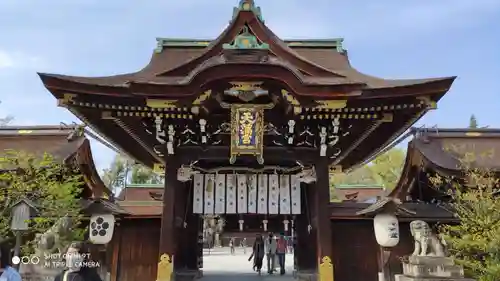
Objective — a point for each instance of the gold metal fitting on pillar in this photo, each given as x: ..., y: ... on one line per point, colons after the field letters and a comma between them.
x: 165, y: 268
x: 325, y: 270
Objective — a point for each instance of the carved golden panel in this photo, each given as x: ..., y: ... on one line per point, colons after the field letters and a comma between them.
x: 247, y: 131
x: 159, y: 168
x: 157, y: 103
x: 331, y: 104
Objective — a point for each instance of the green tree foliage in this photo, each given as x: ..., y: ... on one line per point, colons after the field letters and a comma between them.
x: 54, y: 189
x: 384, y: 170
x: 123, y: 170
x: 387, y: 167
x: 475, y: 241
x: 473, y: 122
x: 144, y: 175
x: 116, y: 175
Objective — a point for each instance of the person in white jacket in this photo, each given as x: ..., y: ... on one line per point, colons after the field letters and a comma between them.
x: 270, y: 249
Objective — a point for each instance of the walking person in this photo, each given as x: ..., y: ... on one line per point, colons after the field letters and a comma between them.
x: 257, y: 253
x: 270, y: 248
x: 243, y: 244
x: 231, y: 246
x: 281, y: 247
x: 7, y: 272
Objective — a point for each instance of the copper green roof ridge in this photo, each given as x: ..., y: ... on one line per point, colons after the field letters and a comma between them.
x: 335, y: 43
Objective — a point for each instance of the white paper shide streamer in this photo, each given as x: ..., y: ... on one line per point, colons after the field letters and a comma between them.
x: 285, y: 194
x: 262, y: 194
x: 209, y: 193
x: 242, y: 194
x: 231, y: 194
x: 246, y: 194
x: 295, y: 195
x: 252, y: 193
x: 198, y: 194
x: 220, y: 193
x: 273, y: 194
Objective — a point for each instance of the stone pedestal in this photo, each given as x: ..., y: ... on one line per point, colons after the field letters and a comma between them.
x: 429, y: 268
x: 305, y: 275
x: 188, y: 275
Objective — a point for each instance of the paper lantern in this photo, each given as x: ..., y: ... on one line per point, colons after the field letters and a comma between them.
x: 386, y: 227
x: 101, y: 228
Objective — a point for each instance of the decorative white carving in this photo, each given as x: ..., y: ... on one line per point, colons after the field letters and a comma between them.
x: 291, y: 128
x: 155, y: 149
x: 307, y: 176
x: 336, y: 125
x: 334, y: 138
x: 322, y: 137
x: 203, y: 129
x: 306, y: 134
x: 203, y: 122
x: 160, y: 133
x: 170, y: 143
x: 184, y: 174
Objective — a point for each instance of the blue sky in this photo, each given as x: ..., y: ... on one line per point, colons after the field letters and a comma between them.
x: 385, y: 38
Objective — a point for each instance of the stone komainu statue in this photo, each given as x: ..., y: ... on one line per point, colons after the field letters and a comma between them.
x: 52, y: 241
x: 426, y: 242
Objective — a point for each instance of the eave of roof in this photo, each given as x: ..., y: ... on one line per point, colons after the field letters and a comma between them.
x: 42, y: 130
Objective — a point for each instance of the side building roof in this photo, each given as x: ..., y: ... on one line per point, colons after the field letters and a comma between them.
x: 64, y: 143
x: 444, y: 151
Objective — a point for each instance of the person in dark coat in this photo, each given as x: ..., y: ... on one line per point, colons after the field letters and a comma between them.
x: 78, y: 265
x: 257, y: 253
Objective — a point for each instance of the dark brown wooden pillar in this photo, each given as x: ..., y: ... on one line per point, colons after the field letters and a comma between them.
x: 187, y: 230
x: 168, y: 229
x: 322, y: 214
x: 306, y: 239
x: 115, y: 255
x: 182, y: 244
